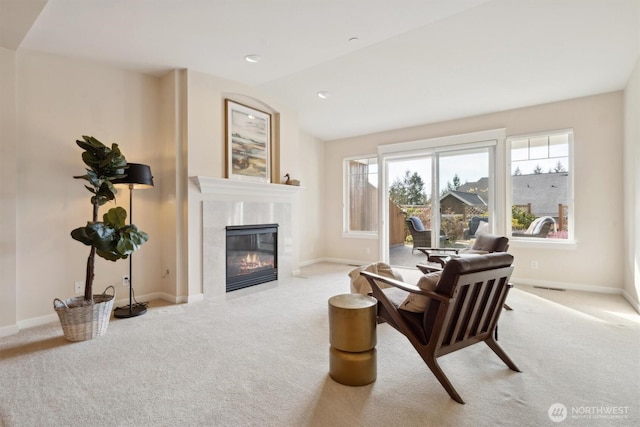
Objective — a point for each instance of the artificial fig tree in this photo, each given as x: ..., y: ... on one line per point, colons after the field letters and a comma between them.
x: 111, y: 238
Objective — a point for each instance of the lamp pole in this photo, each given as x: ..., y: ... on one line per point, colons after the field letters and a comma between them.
x: 138, y: 176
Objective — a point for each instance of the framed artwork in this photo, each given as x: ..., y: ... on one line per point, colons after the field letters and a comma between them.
x: 248, y: 135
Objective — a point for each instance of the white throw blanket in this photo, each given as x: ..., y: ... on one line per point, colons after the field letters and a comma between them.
x: 360, y: 285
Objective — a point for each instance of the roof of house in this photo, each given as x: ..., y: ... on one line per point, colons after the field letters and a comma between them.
x: 545, y: 191
x: 470, y: 199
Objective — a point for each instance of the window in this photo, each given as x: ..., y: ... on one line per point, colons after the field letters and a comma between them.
x: 541, y: 186
x: 361, y: 196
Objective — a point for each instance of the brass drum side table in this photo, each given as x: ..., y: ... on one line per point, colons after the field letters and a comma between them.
x: 352, y: 327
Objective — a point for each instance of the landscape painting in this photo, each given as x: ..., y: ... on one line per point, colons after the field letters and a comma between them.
x: 248, y: 135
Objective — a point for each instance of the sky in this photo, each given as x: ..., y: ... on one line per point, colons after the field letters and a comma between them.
x: 469, y: 167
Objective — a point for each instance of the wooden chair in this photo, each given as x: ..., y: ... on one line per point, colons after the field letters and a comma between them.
x: 463, y: 309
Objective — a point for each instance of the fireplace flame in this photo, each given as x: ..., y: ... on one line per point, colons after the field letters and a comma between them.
x: 252, y: 261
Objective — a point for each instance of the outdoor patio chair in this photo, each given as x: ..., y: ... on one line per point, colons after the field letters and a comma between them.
x: 540, y: 227
x: 470, y: 232
x: 421, y: 236
x: 462, y: 309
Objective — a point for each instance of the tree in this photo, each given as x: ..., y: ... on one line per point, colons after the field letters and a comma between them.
x: 517, y: 172
x: 452, y: 187
x: 559, y: 168
x: 409, y: 190
x: 537, y: 170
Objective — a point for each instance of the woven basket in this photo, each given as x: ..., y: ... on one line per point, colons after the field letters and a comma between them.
x: 84, y: 321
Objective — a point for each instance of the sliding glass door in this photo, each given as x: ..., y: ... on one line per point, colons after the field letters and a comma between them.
x: 464, y: 195
x: 445, y: 189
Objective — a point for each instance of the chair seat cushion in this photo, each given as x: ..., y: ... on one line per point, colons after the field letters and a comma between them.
x: 417, y: 303
x: 414, y: 320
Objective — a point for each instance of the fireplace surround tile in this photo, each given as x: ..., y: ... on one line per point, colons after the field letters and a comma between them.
x: 251, y: 204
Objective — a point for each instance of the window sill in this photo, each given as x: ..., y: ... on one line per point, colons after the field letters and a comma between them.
x: 532, y: 242
x: 360, y: 235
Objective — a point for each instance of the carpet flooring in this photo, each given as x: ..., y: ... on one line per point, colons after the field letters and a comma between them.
x: 259, y: 357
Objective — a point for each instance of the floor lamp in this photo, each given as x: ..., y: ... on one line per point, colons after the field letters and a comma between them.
x: 138, y: 177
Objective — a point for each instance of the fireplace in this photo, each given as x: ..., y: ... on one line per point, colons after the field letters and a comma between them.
x: 252, y: 255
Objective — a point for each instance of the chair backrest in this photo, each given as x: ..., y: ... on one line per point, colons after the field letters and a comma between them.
x: 475, y: 222
x: 415, y: 223
x: 541, y: 226
x: 479, y: 285
x: 490, y: 243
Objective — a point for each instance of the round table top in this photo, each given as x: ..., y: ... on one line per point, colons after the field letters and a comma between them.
x: 352, y: 301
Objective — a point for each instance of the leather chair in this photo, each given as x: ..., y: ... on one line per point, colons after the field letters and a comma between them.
x: 463, y: 309
x: 483, y: 244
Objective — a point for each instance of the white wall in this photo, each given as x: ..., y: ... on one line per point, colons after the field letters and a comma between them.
x: 632, y: 188
x: 206, y: 151
x: 59, y: 100
x: 7, y: 194
x: 597, y: 261
x: 312, y: 198
x: 174, y: 123
x: 170, y: 212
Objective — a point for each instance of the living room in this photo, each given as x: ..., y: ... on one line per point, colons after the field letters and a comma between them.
x: 175, y: 123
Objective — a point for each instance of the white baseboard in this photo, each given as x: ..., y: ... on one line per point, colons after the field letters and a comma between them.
x: 5, y: 331
x: 565, y: 285
x: 37, y: 321
x: 632, y: 302
x: 172, y: 299
x: 53, y: 317
x: 192, y: 298
x: 335, y: 261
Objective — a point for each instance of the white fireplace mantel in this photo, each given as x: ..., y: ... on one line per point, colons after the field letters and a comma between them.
x: 245, y: 189
x: 226, y: 202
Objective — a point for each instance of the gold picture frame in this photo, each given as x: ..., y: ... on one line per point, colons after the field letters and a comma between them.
x: 248, y: 143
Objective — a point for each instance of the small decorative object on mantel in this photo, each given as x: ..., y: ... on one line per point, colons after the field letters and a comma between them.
x: 290, y: 181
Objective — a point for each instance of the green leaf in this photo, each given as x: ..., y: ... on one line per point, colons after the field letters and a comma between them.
x: 80, y: 234
x: 116, y: 217
x: 109, y: 255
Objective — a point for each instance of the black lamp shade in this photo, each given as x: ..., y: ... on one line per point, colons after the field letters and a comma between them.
x: 138, y: 176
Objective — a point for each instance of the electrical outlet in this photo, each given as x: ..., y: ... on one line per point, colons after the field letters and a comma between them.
x: 534, y: 264
x: 125, y: 280
x: 78, y: 287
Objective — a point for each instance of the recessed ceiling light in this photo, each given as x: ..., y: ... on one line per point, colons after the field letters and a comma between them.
x: 323, y: 94
x: 253, y: 58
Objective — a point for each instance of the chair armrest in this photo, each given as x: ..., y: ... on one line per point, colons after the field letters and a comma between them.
x: 426, y: 269
x: 427, y: 250
x: 408, y: 287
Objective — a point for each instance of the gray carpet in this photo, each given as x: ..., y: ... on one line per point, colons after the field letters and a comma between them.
x: 260, y: 358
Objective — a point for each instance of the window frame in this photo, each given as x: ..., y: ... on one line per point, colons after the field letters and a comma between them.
x: 540, y: 242
x: 494, y: 139
x: 346, y: 205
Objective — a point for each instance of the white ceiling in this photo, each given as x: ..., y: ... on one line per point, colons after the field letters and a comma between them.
x: 415, y: 61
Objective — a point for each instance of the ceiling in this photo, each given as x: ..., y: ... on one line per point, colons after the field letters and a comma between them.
x: 414, y: 61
